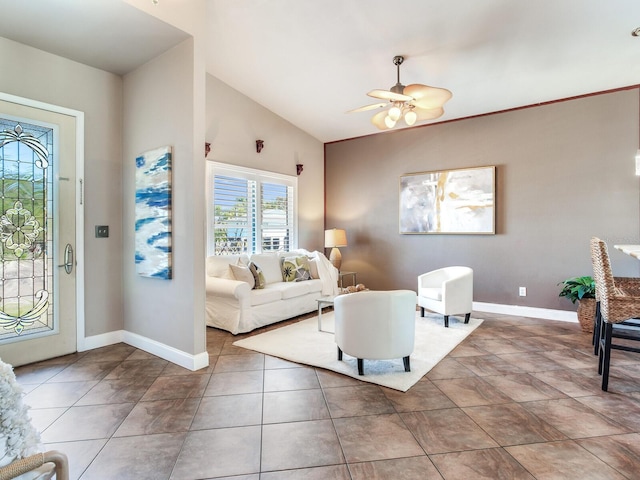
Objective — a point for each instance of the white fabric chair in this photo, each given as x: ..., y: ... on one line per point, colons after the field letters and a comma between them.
x: 376, y: 325
x: 448, y: 291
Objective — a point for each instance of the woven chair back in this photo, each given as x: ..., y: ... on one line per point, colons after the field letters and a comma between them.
x: 605, y: 285
x: 615, y: 306
x: 595, y: 262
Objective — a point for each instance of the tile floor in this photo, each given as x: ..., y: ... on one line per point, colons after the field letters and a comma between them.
x: 520, y: 398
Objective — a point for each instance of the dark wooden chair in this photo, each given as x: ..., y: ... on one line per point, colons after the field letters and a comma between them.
x: 617, y: 309
x: 628, y: 285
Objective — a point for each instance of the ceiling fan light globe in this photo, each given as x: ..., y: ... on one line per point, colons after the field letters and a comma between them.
x: 410, y: 117
x: 379, y: 120
x: 389, y: 122
x: 394, y: 113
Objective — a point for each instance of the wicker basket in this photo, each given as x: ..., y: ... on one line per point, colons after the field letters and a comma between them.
x: 586, y: 313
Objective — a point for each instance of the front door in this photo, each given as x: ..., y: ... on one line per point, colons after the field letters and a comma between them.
x: 38, y: 318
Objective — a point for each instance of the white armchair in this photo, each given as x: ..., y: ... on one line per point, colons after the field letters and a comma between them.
x: 448, y: 291
x: 376, y: 325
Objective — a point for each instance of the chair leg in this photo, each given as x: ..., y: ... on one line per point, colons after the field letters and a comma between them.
x: 407, y: 365
x: 446, y: 321
x: 597, y: 322
x: 605, y: 354
x: 360, y: 367
x: 601, y: 332
x: 422, y: 311
x: 339, y: 354
x: 467, y: 316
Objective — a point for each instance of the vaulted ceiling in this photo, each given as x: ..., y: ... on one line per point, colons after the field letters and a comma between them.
x: 311, y: 61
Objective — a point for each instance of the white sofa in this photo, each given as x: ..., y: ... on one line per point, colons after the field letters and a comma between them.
x: 235, y: 306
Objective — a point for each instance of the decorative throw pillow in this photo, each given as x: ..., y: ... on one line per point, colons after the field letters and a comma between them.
x: 313, y: 268
x: 243, y: 274
x: 295, y: 269
x: 258, y: 276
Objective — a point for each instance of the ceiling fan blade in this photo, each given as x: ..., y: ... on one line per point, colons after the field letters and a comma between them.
x: 388, y: 95
x: 427, y: 97
x: 428, y: 113
x: 378, y: 120
x: 369, y: 107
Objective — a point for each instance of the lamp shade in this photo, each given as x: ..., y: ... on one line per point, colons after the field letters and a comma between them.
x: 335, y: 237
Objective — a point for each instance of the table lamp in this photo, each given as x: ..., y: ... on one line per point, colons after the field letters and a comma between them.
x: 333, y: 239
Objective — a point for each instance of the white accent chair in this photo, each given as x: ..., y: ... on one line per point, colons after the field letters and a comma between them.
x: 448, y: 291
x: 376, y: 325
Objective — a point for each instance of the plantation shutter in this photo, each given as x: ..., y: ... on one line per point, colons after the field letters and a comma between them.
x: 250, y: 210
x: 276, y: 207
x: 234, y: 217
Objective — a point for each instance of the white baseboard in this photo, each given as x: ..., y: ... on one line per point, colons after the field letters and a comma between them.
x: 201, y: 360
x: 534, y: 312
x: 103, y: 340
x: 173, y: 355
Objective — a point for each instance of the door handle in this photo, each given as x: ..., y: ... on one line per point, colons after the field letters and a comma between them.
x: 68, y: 259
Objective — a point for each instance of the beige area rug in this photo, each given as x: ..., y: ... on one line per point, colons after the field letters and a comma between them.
x: 302, y: 343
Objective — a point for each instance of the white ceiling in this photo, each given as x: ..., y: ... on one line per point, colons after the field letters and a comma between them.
x: 106, y: 34
x: 310, y: 61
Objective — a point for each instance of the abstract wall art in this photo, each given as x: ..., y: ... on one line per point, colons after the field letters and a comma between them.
x: 153, y: 213
x: 448, y: 201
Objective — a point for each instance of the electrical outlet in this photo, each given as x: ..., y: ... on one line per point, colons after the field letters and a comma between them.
x: 102, y: 231
x: 522, y: 291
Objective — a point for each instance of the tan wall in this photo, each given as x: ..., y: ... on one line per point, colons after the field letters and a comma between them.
x: 565, y: 172
x: 34, y: 74
x: 160, y: 108
x: 235, y: 122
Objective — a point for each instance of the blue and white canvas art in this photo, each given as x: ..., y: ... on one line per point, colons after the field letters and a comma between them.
x: 153, y: 213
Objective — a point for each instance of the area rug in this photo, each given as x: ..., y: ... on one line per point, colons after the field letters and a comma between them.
x: 302, y: 343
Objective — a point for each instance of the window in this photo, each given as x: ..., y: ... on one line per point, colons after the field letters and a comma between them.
x: 250, y: 210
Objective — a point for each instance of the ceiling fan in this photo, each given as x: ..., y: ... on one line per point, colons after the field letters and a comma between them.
x: 412, y: 103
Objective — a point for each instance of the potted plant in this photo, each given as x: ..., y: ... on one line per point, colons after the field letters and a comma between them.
x: 583, y: 291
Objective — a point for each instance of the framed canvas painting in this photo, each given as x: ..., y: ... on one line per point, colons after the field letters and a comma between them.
x: 153, y: 213
x: 448, y: 201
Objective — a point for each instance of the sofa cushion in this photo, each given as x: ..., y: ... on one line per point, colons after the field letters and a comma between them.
x: 291, y: 289
x: 295, y: 269
x: 433, y: 293
x: 314, y: 285
x: 269, y: 263
x: 265, y: 295
x: 218, y: 265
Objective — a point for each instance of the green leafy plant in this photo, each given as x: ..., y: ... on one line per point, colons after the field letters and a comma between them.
x: 577, y: 288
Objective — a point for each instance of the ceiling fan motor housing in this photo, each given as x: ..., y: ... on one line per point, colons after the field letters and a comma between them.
x: 397, y: 88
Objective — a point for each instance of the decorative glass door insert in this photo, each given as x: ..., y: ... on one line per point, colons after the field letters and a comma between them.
x: 26, y: 230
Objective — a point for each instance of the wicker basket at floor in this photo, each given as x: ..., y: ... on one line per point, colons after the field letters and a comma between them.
x: 586, y: 313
